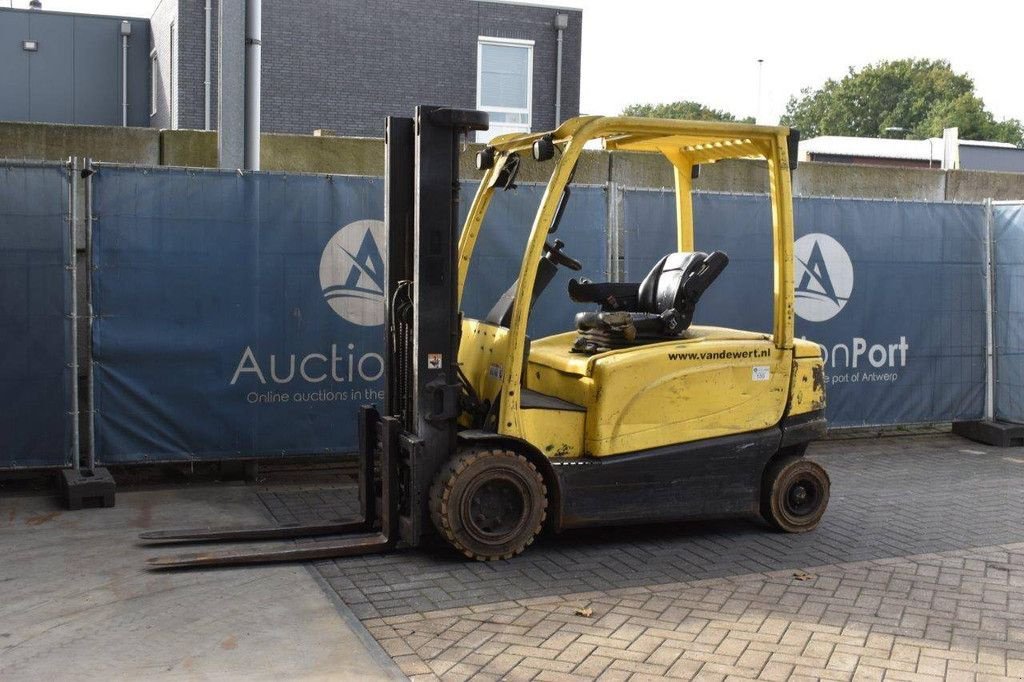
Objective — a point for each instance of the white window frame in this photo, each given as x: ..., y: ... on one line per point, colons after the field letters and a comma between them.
x: 493, y: 40
x: 154, y: 78
x: 172, y: 89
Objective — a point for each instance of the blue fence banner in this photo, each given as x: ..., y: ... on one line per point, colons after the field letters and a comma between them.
x: 236, y: 315
x: 242, y: 316
x: 894, y: 291
x: 35, y: 327
x: 1008, y: 323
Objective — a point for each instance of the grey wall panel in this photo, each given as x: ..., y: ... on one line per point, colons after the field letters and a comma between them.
x: 138, y: 74
x: 75, y: 76
x: 97, y: 46
x: 51, y: 98
x: 14, y: 66
x: 98, y: 87
x: 1005, y: 159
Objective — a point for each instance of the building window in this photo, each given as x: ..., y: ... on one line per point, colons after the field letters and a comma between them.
x: 154, y: 73
x: 504, y: 84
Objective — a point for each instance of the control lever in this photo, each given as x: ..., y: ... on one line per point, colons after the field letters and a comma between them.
x: 555, y: 255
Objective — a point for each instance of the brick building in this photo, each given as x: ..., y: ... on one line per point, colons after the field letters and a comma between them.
x: 343, y: 65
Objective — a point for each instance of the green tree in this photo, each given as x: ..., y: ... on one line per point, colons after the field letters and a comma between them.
x: 968, y: 113
x: 685, y: 109
x: 920, y: 96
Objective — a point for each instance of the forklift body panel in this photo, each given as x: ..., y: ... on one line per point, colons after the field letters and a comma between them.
x: 715, y: 382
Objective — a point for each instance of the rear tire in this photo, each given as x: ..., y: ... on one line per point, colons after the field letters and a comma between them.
x: 488, y: 504
x: 794, y: 494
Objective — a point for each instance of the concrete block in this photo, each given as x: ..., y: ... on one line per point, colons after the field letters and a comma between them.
x: 733, y: 175
x: 991, y: 432
x: 57, y: 142
x: 308, y: 154
x: 188, y: 148
x: 633, y: 169
x: 980, y: 185
x: 365, y: 156
x: 871, y: 182
x: 81, y: 485
x: 636, y: 169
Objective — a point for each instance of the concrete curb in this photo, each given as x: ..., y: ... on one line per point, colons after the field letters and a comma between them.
x: 387, y: 664
x: 373, y: 648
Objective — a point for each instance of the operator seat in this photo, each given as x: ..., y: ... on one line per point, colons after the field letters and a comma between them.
x: 658, y: 308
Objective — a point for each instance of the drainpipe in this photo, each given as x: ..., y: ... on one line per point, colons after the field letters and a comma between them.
x: 206, y: 79
x: 253, y: 55
x: 126, y: 30
x: 561, y: 23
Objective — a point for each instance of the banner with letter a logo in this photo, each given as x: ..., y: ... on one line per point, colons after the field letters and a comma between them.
x: 237, y: 315
x: 823, y: 283
x: 894, y: 291
x: 352, y: 272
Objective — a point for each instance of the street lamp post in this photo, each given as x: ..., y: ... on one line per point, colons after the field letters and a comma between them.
x: 760, y: 73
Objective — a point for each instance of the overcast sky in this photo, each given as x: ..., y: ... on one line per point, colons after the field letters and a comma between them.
x: 665, y: 50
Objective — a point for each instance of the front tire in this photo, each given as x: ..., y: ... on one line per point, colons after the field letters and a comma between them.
x: 794, y: 494
x: 488, y: 503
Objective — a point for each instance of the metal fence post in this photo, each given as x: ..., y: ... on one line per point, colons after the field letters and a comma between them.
x: 72, y: 267
x: 88, y: 172
x: 614, y: 237
x: 990, y: 292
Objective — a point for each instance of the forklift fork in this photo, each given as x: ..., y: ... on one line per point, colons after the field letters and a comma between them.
x: 366, y: 534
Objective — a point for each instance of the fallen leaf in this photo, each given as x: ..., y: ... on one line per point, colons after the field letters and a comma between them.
x: 801, y: 576
x: 584, y: 611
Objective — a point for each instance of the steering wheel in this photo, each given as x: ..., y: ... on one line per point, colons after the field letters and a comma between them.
x: 555, y: 255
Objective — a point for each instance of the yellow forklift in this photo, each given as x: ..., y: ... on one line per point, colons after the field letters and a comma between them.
x: 487, y: 436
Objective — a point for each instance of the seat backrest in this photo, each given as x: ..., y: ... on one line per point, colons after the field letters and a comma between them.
x: 677, y: 281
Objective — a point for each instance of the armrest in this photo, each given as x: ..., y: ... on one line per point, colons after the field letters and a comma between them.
x: 609, y: 295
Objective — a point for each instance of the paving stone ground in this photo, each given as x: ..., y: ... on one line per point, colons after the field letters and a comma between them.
x: 916, y: 572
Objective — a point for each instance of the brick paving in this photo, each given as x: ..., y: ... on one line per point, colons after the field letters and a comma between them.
x: 954, y: 614
x: 916, y: 572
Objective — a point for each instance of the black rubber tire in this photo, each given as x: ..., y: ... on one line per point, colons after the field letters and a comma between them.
x: 794, y: 494
x: 488, y: 503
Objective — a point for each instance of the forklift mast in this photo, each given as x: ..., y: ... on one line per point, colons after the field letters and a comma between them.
x: 421, y: 215
x: 401, y: 451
